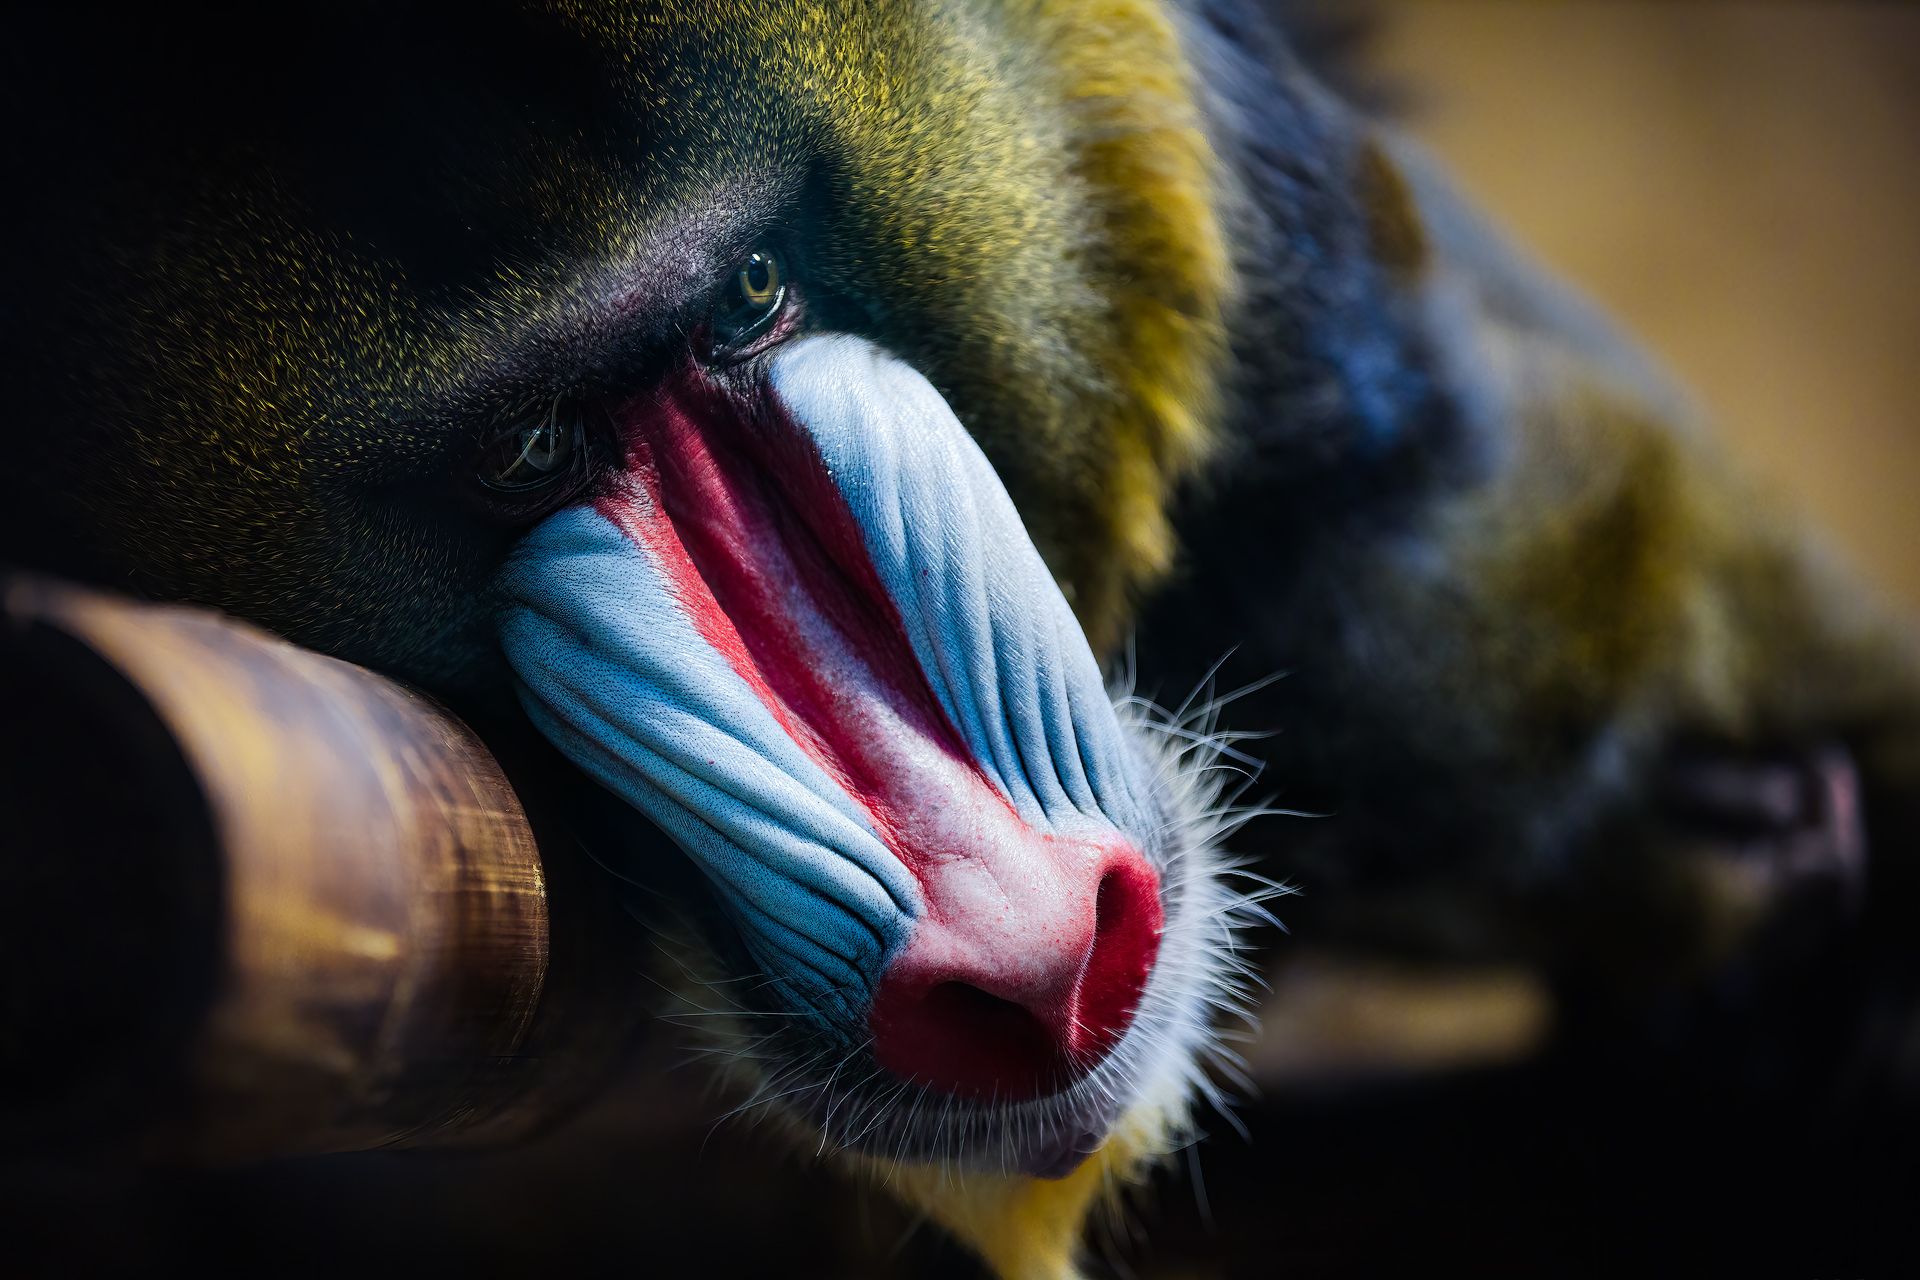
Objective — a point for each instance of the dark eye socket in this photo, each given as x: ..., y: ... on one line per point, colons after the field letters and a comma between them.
x: 750, y: 305
x: 542, y: 457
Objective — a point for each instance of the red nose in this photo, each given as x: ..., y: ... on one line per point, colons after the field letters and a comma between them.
x: 1022, y: 974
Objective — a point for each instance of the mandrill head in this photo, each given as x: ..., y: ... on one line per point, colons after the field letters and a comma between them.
x: 770, y: 400
x: 799, y: 627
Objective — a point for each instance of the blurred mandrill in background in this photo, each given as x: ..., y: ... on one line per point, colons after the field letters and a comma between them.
x: 786, y: 409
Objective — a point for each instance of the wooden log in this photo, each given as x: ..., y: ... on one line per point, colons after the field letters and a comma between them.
x: 261, y: 902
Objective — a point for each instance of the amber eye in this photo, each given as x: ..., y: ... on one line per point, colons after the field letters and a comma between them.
x: 751, y: 302
x: 542, y: 453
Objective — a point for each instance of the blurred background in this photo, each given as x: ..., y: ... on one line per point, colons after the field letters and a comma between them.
x: 1739, y: 184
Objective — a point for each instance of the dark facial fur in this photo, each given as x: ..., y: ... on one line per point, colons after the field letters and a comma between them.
x: 282, y: 285
x: 274, y: 288
x: 1569, y: 691
x: 311, y: 264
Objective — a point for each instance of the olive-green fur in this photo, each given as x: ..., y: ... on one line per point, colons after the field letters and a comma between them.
x: 1200, y: 314
x: 1012, y: 196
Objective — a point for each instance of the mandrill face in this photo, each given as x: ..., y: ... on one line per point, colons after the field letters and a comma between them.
x: 801, y: 629
x: 771, y: 399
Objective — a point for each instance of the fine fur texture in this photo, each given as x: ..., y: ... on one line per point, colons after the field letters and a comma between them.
x: 1557, y: 673
x: 289, y: 279
x: 1256, y: 382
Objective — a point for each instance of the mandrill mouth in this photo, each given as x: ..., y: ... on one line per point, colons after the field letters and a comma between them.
x: 804, y: 632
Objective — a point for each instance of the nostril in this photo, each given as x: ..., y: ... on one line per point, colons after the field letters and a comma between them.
x: 1016, y: 1005
x: 956, y: 1037
x: 1110, y: 907
x: 1126, y: 939
x: 982, y: 1026
x: 968, y: 1008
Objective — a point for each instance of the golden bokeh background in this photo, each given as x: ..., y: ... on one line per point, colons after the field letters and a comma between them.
x: 1738, y: 184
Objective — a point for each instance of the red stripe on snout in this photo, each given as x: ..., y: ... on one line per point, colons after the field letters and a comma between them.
x: 1033, y: 947
x: 738, y: 509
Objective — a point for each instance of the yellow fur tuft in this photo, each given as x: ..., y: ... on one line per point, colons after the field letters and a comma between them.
x: 1148, y: 163
x: 1029, y: 1228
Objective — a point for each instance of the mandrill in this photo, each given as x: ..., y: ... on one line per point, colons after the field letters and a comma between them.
x: 786, y: 410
